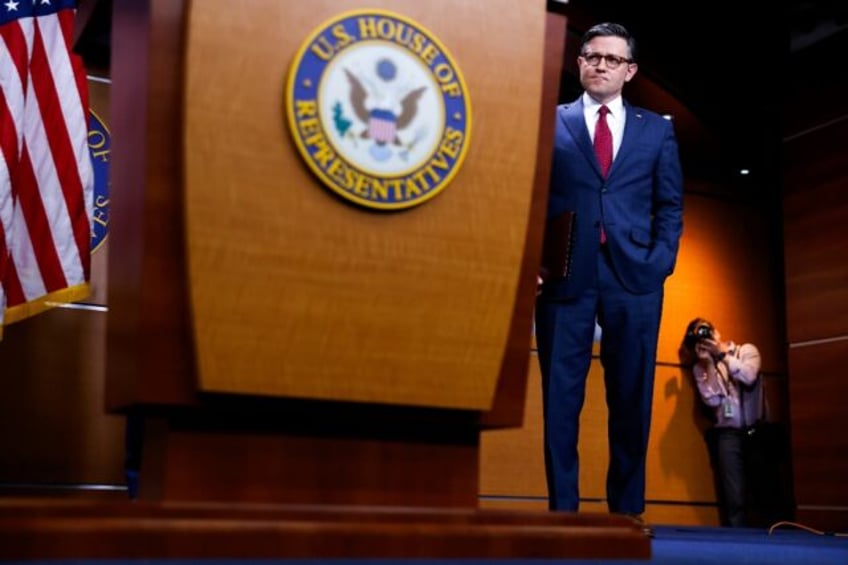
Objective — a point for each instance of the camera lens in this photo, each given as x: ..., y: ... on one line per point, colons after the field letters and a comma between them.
x: 704, y: 332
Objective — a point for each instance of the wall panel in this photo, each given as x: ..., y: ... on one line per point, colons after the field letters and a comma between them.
x: 727, y: 271
x: 816, y: 237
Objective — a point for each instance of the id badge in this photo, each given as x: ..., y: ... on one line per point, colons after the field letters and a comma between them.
x: 727, y: 407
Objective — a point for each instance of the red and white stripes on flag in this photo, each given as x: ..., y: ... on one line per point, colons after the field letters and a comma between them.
x: 46, y: 177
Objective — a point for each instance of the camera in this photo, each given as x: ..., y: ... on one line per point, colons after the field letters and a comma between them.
x: 703, y: 332
x: 698, y: 331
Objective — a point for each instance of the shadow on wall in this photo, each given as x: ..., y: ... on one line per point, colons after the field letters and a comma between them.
x: 686, y: 422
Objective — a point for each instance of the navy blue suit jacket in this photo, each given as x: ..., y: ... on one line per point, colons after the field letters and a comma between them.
x: 640, y: 202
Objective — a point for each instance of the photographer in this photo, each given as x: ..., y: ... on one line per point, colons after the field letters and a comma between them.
x: 727, y: 377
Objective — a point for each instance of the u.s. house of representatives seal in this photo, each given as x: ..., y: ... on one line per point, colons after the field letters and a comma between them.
x: 378, y: 109
x: 100, y: 149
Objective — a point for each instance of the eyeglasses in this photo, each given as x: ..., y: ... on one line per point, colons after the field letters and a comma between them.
x: 613, y: 61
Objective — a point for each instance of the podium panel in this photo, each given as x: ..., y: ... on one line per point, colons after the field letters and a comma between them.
x: 298, y: 293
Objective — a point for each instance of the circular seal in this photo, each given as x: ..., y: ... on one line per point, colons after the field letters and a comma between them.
x: 100, y: 149
x: 378, y: 109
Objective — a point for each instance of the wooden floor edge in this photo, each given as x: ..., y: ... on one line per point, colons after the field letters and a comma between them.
x: 121, y: 531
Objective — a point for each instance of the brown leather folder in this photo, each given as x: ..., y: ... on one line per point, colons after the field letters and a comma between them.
x: 556, y: 250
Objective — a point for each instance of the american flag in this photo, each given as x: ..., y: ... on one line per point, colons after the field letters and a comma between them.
x: 46, y: 177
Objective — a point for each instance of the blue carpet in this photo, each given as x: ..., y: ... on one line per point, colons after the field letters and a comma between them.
x: 744, y: 546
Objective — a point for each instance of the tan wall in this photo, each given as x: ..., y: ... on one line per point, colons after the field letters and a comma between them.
x: 724, y: 272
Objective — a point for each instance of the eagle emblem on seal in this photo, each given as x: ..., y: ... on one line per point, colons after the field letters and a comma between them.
x: 380, y: 119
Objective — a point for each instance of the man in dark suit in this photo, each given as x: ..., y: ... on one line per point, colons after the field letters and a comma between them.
x: 616, y: 167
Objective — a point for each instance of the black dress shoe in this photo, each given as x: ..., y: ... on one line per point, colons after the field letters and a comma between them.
x: 640, y: 520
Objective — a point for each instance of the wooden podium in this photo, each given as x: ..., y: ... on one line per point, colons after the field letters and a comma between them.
x: 314, y: 376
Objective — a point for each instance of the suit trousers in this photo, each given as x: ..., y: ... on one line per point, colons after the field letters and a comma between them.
x: 564, y: 336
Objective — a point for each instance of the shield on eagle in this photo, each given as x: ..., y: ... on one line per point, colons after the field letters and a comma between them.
x: 382, y: 126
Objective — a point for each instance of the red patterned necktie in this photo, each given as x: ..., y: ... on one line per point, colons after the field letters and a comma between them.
x: 603, y: 149
x: 603, y: 141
